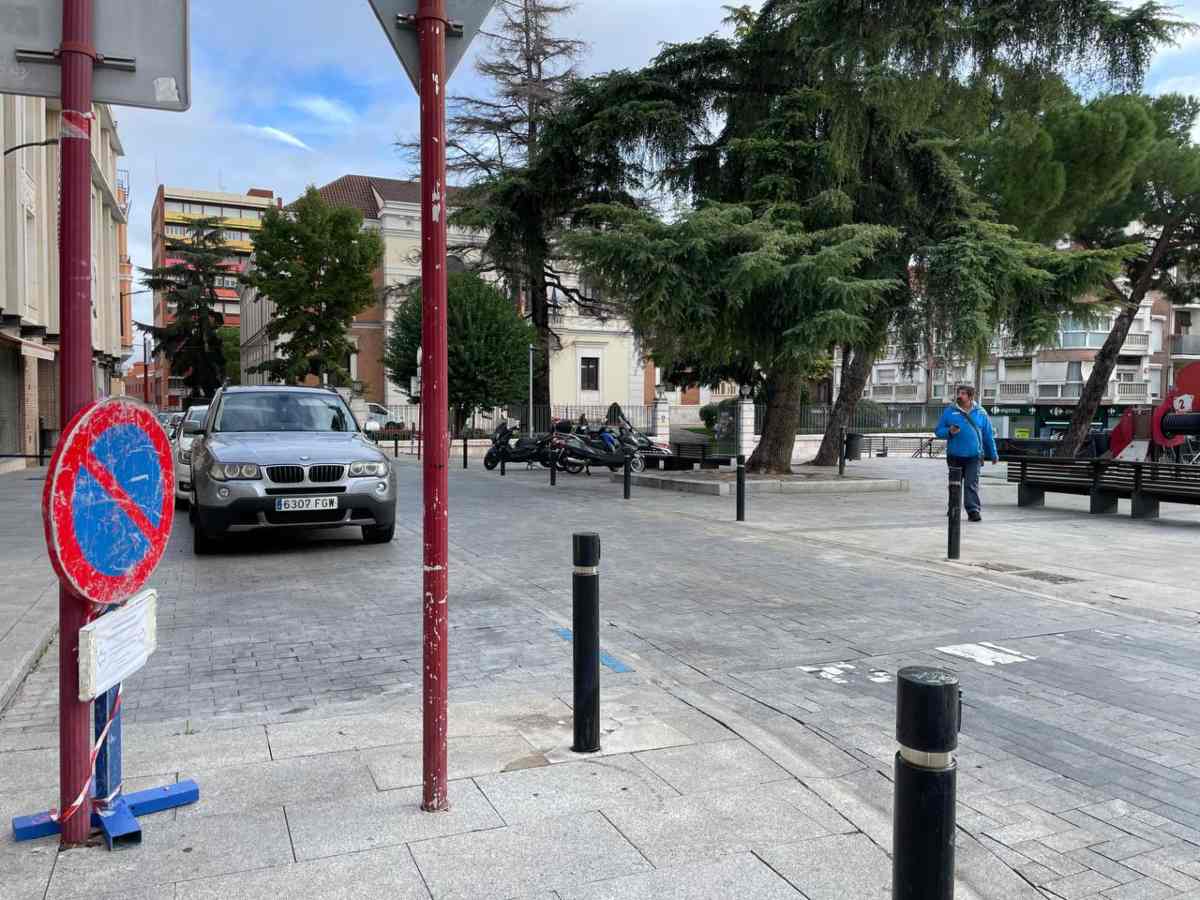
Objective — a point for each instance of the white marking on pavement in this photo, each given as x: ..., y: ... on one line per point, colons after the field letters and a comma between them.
x: 986, y: 653
x: 835, y: 672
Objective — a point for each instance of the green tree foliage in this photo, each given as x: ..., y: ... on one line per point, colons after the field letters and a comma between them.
x: 489, y: 342
x: 191, y: 341
x: 316, y: 264
x: 848, y: 114
x: 231, y: 347
x: 1160, y: 213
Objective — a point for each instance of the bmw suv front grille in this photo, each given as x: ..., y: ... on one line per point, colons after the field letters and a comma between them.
x: 325, y: 474
x: 286, y: 474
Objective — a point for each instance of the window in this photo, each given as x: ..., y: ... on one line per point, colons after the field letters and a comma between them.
x: 589, y: 373
x: 175, y: 230
x: 174, y: 206
x: 885, y: 376
x: 283, y: 411
x: 1075, y: 371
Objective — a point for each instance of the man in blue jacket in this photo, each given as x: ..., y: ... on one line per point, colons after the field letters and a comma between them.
x: 969, y: 439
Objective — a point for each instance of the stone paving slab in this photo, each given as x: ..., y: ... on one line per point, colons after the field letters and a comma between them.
x: 322, y: 828
x: 551, y: 854
x: 400, y: 765
x: 741, y: 875
x: 834, y: 867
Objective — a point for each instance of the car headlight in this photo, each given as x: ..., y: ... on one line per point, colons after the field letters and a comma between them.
x: 235, y: 471
x: 368, y: 469
x: 185, y: 455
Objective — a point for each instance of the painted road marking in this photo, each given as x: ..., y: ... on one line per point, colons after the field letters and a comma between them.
x: 986, y: 653
x: 605, y: 659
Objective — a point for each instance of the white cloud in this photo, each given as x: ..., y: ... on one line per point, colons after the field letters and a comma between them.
x: 278, y: 134
x: 330, y: 111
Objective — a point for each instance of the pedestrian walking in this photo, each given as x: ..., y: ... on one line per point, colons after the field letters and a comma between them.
x: 969, y: 438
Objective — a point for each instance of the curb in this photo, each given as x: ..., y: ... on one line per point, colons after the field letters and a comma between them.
x: 767, y: 486
x: 42, y: 634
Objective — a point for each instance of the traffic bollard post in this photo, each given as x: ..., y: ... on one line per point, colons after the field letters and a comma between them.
x: 502, y: 463
x: 741, y: 488
x: 842, y: 453
x: 628, y: 478
x: 554, y: 469
x: 928, y: 717
x: 585, y: 622
x: 954, y: 539
x: 464, y: 449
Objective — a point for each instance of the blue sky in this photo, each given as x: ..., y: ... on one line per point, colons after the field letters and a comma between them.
x: 287, y: 93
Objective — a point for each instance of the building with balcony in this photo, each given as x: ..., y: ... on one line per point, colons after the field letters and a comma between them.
x: 241, y: 217
x: 1029, y: 391
x: 29, y: 271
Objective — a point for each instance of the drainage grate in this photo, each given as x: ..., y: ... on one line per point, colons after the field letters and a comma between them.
x: 1048, y: 577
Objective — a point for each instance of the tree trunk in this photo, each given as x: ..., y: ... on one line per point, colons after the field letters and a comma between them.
x: 847, y: 356
x: 1106, y: 359
x: 843, y: 411
x: 773, y: 456
x: 1097, y: 383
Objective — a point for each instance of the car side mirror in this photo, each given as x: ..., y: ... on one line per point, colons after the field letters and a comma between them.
x: 373, y: 427
x: 192, y: 428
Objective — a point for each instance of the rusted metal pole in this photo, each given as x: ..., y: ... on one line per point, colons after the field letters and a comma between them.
x: 431, y: 25
x: 77, y: 390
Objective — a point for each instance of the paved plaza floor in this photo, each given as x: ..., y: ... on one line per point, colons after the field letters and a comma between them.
x: 748, y: 700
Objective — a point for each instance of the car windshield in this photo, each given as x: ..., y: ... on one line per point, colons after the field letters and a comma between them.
x: 283, y: 411
x: 196, y: 414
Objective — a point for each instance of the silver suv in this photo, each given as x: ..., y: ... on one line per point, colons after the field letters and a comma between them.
x: 286, y: 457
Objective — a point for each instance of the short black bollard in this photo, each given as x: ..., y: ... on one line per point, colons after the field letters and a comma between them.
x: 954, y: 539
x: 842, y: 453
x: 928, y: 717
x: 464, y: 451
x: 502, y: 461
x: 628, y: 478
x: 585, y: 621
x: 554, y: 469
x: 396, y: 444
x: 741, y: 488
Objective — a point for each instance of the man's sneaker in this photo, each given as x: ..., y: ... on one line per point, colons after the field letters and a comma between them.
x: 974, y: 517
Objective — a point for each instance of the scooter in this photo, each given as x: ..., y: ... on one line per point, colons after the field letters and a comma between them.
x: 528, y: 449
x: 590, y: 452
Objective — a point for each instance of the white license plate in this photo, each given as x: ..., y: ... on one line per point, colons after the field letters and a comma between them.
x: 304, y: 504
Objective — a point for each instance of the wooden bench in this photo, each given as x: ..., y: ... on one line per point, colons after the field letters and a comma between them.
x: 688, y: 454
x: 1104, y: 482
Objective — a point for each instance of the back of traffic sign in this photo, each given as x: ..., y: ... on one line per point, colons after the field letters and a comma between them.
x: 141, y: 45
x: 398, y: 18
x: 109, y: 500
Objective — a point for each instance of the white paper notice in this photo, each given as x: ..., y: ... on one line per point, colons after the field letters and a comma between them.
x: 117, y: 644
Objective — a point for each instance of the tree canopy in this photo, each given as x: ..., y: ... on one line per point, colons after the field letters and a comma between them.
x: 488, y: 349
x: 316, y: 264
x: 191, y: 340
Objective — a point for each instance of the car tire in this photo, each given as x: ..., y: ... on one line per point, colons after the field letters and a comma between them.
x: 378, y: 534
x: 202, y: 542
x: 181, y: 503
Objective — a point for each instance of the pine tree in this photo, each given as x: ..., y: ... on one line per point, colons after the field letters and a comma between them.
x: 494, y: 142
x: 191, y: 341
x: 848, y: 113
x: 316, y: 264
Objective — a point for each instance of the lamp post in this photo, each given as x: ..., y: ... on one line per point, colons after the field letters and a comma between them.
x: 530, y: 423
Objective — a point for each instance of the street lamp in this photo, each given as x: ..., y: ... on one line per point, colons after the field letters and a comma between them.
x: 529, y: 423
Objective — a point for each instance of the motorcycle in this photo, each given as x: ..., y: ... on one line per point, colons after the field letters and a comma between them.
x: 603, y: 449
x: 528, y: 449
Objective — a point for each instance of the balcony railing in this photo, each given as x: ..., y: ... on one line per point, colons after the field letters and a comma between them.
x: 1133, y: 391
x: 898, y: 392
x: 1136, y: 343
x: 1015, y: 390
x: 1185, y: 344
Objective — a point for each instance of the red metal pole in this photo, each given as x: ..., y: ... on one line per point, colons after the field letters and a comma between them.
x: 77, y: 388
x: 145, y: 370
x: 431, y: 22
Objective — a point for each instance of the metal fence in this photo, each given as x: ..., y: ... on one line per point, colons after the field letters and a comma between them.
x: 640, y: 417
x: 868, y: 417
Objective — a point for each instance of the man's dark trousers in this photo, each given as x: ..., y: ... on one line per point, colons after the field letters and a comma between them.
x: 970, y: 472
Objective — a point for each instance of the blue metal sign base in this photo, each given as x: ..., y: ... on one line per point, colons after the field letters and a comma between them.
x: 120, y: 824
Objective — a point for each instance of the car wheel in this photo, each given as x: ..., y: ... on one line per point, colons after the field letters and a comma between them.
x: 378, y: 534
x: 202, y: 542
x: 181, y: 502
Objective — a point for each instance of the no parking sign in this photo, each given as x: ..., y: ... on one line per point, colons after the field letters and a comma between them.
x: 109, y: 500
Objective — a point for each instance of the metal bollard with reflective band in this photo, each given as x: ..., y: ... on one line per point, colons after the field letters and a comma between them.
x: 928, y: 714
x: 585, y: 620
x: 954, y: 534
x: 741, y: 488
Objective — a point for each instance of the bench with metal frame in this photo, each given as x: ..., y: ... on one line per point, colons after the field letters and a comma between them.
x: 1104, y: 482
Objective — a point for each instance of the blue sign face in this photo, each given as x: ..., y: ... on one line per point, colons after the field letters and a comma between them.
x: 113, y: 535
x: 109, y: 500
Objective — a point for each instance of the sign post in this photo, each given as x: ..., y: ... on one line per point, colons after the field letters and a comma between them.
x: 430, y: 37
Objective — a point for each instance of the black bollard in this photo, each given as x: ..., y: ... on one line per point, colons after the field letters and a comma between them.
x: 954, y: 540
x: 554, y: 458
x: 502, y: 461
x: 628, y: 478
x: 741, y: 488
x: 396, y: 444
x: 585, y: 621
x: 464, y: 449
x: 842, y: 454
x: 928, y: 716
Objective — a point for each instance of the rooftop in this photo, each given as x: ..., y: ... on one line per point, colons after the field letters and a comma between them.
x: 366, y: 192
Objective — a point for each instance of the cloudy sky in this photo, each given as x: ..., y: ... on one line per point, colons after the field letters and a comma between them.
x: 287, y: 93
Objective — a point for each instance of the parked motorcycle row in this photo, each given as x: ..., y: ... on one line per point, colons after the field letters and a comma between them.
x: 575, y: 449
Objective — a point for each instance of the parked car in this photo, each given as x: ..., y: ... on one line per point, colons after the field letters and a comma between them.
x: 379, y: 414
x: 170, y: 422
x: 286, y: 457
x: 181, y: 452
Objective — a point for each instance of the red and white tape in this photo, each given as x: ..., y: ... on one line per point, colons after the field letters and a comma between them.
x: 56, y: 816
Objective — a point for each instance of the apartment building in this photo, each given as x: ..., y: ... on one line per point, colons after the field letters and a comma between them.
x: 241, y: 217
x: 1029, y: 392
x: 594, y: 362
x: 29, y: 272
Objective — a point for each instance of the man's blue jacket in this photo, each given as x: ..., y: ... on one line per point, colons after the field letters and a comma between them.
x: 966, y: 442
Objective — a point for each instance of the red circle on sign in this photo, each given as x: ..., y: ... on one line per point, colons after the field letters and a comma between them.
x: 74, y: 454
